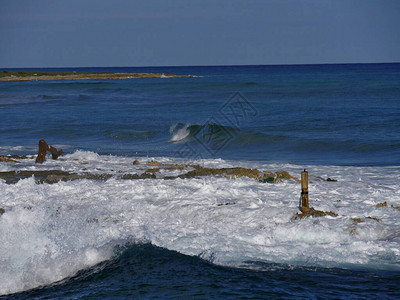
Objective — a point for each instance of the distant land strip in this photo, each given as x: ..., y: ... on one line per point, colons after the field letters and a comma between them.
x: 32, y: 75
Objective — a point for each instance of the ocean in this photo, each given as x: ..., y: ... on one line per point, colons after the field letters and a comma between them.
x: 120, y: 216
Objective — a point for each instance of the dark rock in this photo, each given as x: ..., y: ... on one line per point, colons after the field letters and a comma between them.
x: 311, y: 212
x: 136, y: 176
x: 7, y: 159
x: 49, y: 176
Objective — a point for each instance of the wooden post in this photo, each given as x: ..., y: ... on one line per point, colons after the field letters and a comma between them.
x: 304, y: 191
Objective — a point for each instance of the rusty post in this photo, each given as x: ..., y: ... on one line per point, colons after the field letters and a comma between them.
x: 304, y: 191
x: 43, y: 148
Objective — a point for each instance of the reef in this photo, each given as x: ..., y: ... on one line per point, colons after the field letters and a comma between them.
x: 236, y: 172
x: 149, y: 171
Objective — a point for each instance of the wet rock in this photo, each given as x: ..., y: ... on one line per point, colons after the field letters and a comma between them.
x: 153, y: 163
x: 19, y: 156
x: 373, y: 218
x: 144, y: 175
x: 2, y: 211
x: 14, y: 176
x: 395, y: 207
x: 136, y: 162
x: 311, y: 212
x: 153, y: 171
x: 54, y: 178
x: 7, y: 159
x: 383, y: 204
x: 330, y: 179
x: 237, y: 172
x: 270, y: 177
x: 49, y: 176
x: 172, y: 166
x: 227, y: 203
x: 279, y: 176
x: 357, y: 220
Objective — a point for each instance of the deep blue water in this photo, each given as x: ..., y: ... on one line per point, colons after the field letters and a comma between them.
x: 322, y: 114
x: 317, y: 114
x: 149, y: 272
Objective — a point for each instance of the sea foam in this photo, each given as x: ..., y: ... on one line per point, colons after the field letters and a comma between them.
x: 51, y: 231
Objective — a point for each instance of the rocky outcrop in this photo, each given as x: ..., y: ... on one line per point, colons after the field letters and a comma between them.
x: 311, y: 212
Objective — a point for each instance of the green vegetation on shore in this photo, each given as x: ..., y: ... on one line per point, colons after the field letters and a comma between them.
x: 6, y: 73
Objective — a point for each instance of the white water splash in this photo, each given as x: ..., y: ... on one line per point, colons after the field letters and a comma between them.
x: 49, y: 232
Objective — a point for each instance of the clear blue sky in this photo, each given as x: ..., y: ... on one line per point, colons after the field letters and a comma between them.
x: 90, y: 33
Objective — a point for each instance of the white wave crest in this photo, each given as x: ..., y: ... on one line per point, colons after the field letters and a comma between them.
x: 179, y: 132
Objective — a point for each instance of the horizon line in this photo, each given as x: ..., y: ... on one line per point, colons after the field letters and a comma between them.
x: 221, y: 65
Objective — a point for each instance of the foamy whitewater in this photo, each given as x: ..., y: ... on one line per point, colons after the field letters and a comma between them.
x: 51, y: 231
x: 111, y: 233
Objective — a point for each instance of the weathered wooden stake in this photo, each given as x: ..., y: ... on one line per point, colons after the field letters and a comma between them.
x: 304, y: 191
x: 43, y: 148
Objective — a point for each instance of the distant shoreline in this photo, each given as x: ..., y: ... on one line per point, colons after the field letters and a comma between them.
x: 34, y: 76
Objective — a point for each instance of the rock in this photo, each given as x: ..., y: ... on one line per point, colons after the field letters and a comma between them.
x: 383, y: 204
x: 395, y: 207
x: 311, y: 212
x: 136, y: 162
x: 238, y: 172
x: 153, y: 171
x: 269, y: 179
x: 357, y: 220
x: 6, y: 159
x: 144, y: 175
x: 49, y: 176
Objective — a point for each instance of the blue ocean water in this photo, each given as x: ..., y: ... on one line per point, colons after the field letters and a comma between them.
x: 329, y: 115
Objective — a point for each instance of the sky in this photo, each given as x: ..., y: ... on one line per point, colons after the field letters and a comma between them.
x: 129, y: 33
